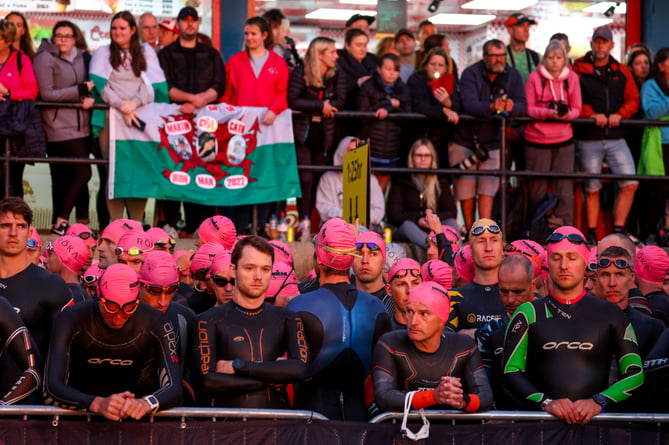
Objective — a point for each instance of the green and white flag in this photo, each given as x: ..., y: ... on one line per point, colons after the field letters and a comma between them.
x: 222, y: 155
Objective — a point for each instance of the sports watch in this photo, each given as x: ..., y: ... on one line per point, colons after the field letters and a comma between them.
x: 153, y: 403
x: 601, y: 401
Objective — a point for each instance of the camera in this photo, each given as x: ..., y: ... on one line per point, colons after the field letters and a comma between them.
x: 559, y: 106
x: 479, y: 155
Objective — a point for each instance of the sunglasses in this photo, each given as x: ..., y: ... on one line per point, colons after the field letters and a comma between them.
x: 133, y: 251
x: 157, y: 291
x: 431, y: 239
x: 492, y: 228
x: 403, y: 273
x: 87, y: 235
x: 89, y: 279
x: 370, y: 245
x: 32, y: 244
x: 222, y: 282
x: 114, y: 308
x: 573, y: 238
x: 165, y: 242
x: 620, y: 263
x: 201, y: 274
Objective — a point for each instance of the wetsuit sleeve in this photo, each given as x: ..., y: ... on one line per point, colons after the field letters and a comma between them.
x: 629, y: 361
x: 169, y: 372
x: 283, y: 371
x: 476, y: 384
x: 384, y: 375
x: 454, y: 315
x: 21, y: 346
x: 65, y: 330
x: 382, y: 325
x: 444, y: 249
x: 483, y: 339
x: 515, y: 355
x: 215, y: 382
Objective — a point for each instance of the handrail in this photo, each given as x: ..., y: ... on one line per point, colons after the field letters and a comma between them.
x: 246, y: 413
x: 518, y: 416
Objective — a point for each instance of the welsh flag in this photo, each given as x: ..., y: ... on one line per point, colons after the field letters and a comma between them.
x: 222, y: 155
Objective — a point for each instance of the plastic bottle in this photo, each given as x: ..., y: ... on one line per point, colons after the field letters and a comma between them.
x: 305, y: 230
x: 283, y: 228
x: 273, y: 225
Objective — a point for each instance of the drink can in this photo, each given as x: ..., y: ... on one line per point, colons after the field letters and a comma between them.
x: 387, y: 235
x: 290, y: 235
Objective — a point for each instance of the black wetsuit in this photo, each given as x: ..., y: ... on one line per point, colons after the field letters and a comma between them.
x: 444, y: 249
x: 647, y: 329
x: 255, y: 340
x: 87, y: 358
x: 398, y: 366
x: 20, y: 363
x: 342, y: 326
x: 639, y: 302
x: 556, y: 350
x: 474, y: 305
x: 659, y: 302
x: 37, y: 296
x: 656, y: 371
x: 180, y: 333
x: 78, y: 293
x: 198, y: 301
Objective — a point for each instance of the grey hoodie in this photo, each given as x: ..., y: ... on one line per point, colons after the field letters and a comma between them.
x: 60, y: 81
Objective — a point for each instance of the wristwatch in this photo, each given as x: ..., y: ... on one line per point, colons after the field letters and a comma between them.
x: 545, y: 403
x: 601, y: 401
x: 153, y: 403
x: 237, y: 364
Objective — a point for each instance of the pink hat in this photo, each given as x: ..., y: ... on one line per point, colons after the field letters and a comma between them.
x: 531, y: 250
x: 135, y: 239
x: 578, y: 244
x: 434, y: 296
x: 94, y: 270
x: 464, y: 264
x: 35, y: 237
x: 593, y: 258
x: 221, y: 262
x: 652, y: 264
x: 158, y: 269
x: 373, y: 237
x: 282, y: 252
x: 159, y: 236
x: 84, y: 232
x: 119, y: 284
x: 403, y: 264
x: 218, y: 229
x: 283, y: 281
x: 169, y: 25
x: 118, y: 227
x: 204, y: 257
x: 335, y: 244
x: 438, y: 271
x: 72, y: 251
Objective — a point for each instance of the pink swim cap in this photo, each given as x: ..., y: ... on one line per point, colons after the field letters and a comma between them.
x: 464, y: 264
x: 159, y: 236
x: 158, y: 269
x: 652, y: 264
x: 115, y: 230
x: 578, y: 244
x: 335, y: 244
x: 403, y: 264
x: 531, y: 250
x: 434, y: 296
x: 218, y: 229
x: 72, y: 252
x: 205, y: 256
x: 119, y: 284
x: 437, y: 271
x: 283, y: 282
x: 282, y: 252
x: 222, y: 262
x: 373, y: 237
x: 135, y: 239
x: 78, y: 229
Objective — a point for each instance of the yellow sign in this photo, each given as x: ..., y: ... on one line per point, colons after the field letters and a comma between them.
x: 356, y: 185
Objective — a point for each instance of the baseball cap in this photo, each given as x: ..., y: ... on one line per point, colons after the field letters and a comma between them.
x: 188, y: 11
x: 218, y: 229
x: 560, y: 36
x: 72, y: 251
x: 602, y: 32
x: 403, y: 32
x: 519, y: 18
x: 118, y: 227
x: 434, y: 296
x: 335, y: 244
x: 355, y: 17
x: 119, y: 284
x: 437, y: 271
x: 170, y: 25
x: 158, y: 269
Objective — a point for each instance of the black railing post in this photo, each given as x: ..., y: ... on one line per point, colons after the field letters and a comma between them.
x: 503, y: 179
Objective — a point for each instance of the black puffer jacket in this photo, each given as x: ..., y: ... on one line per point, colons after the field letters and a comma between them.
x: 310, y: 100
x: 404, y: 201
x: 355, y: 70
x: 384, y: 134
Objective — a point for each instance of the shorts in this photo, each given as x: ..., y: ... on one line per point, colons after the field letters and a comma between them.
x: 467, y: 186
x: 617, y: 155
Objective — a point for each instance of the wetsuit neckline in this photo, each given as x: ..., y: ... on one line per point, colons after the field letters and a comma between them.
x: 568, y: 302
x: 249, y: 312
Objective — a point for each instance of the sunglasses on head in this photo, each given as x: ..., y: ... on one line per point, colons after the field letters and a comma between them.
x: 114, y: 308
x: 492, y: 228
x: 201, y: 274
x: 222, y: 282
x: 87, y: 235
x: 403, y: 273
x: 133, y: 251
x: 370, y: 245
x: 620, y: 263
x: 156, y: 290
x: 32, y: 244
x: 573, y: 238
x: 89, y: 279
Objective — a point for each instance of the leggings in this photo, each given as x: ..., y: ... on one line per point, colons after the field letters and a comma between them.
x: 69, y: 182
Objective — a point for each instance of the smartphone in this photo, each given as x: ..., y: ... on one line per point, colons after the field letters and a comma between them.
x: 444, y: 81
x: 140, y: 124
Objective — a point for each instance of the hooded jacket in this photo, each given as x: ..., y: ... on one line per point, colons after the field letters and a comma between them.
x: 62, y: 81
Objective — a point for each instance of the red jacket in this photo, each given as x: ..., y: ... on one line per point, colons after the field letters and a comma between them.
x: 269, y: 89
x: 21, y: 86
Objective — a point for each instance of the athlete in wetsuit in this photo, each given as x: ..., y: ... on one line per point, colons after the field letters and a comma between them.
x: 110, y: 356
x: 403, y: 276
x: 243, y: 343
x: 558, y: 349
x: 445, y: 369
x: 342, y: 325
x: 17, y: 351
x: 67, y: 257
x: 368, y: 267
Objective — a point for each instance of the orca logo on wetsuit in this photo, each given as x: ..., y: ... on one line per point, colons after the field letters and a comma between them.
x: 203, y: 336
x: 585, y: 346
x: 110, y: 361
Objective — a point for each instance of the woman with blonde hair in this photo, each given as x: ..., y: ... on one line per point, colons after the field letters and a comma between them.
x: 410, y: 196
x: 317, y: 90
